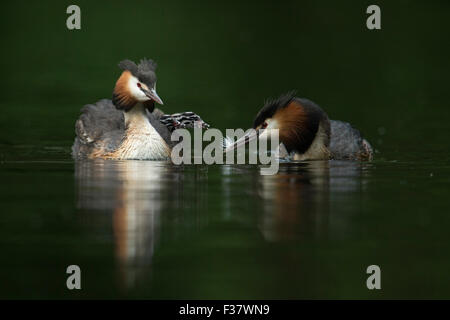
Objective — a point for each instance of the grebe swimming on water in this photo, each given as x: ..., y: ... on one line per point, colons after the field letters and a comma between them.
x: 306, y: 132
x: 129, y: 126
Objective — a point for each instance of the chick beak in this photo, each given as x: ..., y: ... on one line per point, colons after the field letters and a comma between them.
x: 152, y: 95
x: 250, y: 135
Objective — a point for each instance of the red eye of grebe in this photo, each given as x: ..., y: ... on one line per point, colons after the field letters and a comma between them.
x: 264, y: 125
x: 139, y: 85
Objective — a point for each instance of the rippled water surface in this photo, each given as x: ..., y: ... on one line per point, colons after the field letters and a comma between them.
x: 150, y: 229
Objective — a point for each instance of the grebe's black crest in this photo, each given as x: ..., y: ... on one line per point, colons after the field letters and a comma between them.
x: 130, y: 66
x: 271, y: 106
x: 144, y: 71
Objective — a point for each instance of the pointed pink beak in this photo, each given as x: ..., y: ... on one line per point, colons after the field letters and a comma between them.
x: 153, y: 95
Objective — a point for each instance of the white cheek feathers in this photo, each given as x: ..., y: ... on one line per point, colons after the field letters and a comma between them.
x: 135, y: 91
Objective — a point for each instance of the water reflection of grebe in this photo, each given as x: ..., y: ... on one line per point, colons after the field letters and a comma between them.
x: 128, y: 191
x: 134, y: 194
x: 300, y: 199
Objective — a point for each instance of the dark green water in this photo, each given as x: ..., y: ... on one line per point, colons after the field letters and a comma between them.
x: 142, y: 229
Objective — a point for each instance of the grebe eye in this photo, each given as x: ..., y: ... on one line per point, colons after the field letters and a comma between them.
x: 139, y: 85
x: 264, y: 125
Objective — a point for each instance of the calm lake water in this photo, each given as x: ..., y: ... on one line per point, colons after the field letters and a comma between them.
x: 145, y: 229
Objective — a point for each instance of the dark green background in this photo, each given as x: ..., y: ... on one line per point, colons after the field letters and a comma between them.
x: 222, y: 60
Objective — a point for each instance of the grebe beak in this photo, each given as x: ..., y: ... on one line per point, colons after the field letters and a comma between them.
x: 152, y: 95
x: 250, y: 135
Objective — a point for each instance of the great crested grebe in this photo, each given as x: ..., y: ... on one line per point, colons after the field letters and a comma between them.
x: 129, y: 126
x: 306, y: 132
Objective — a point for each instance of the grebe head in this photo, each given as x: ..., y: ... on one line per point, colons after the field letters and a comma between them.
x: 137, y: 83
x: 296, y: 119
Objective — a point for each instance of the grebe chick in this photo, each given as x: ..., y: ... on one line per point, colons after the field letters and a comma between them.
x: 129, y: 126
x: 306, y: 132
